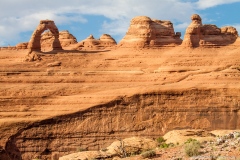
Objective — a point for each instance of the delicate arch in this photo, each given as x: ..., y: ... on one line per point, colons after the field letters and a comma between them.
x: 34, y: 43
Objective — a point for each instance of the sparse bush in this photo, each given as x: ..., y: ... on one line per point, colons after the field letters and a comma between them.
x: 192, y: 147
x: 162, y: 143
x: 190, y: 140
x: 148, y: 154
x: 161, y: 140
x: 166, y: 145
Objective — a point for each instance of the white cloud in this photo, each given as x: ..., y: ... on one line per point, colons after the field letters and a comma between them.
x: 116, y: 28
x: 23, y: 16
x: 203, y: 4
x: 181, y: 26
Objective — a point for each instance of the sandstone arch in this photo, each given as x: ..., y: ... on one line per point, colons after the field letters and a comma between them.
x: 34, y: 43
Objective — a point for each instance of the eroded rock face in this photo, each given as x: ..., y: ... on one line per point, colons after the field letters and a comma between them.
x: 107, y: 40
x: 198, y: 34
x: 145, y: 32
x: 149, y: 115
x: 65, y: 38
x: 22, y: 45
x: 90, y: 43
x: 35, y: 41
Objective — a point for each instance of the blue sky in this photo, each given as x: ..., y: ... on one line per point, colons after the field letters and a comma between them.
x: 19, y: 18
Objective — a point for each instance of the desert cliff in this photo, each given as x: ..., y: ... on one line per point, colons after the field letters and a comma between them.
x: 87, y: 99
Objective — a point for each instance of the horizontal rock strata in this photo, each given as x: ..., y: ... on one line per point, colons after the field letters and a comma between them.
x: 150, y: 115
x: 146, y: 32
x: 208, y: 35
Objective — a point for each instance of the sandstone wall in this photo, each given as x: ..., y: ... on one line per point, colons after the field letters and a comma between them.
x: 150, y: 115
x: 145, y: 32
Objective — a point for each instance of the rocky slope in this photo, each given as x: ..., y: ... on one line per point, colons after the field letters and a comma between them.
x: 218, y: 144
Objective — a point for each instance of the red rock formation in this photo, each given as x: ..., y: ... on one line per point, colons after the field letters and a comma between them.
x: 65, y: 39
x: 22, y: 45
x: 34, y: 43
x: 145, y: 32
x: 198, y: 34
x: 91, y: 43
x: 107, y: 41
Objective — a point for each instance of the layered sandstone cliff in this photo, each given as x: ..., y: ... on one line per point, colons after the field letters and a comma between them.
x: 87, y: 101
x: 91, y: 100
x: 146, y: 32
x: 151, y: 114
x: 198, y: 34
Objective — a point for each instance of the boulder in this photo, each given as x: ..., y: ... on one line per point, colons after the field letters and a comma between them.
x: 145, y: 32
x: 120, y: 148
x: 32, y: 56
x: 207, y: 35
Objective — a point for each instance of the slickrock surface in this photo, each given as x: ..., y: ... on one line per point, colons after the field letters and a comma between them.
x: 198, y: 34
x: 145, y: 32
x: 94, y: 97
x: 90, y: 43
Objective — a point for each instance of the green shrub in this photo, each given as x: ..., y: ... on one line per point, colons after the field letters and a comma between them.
x: 166, y: 145
x: 190, y: 140
x: 192, y: 147
x: 161, y: 140
x: 148, y: 154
